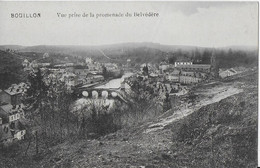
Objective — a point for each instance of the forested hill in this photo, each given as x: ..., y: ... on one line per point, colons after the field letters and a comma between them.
x: 11, y: 70
x: 150, y: 52
x: 11, y: 56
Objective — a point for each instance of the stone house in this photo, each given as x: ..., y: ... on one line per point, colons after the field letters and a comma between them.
x: 12, y: 95
x: 227, y: 73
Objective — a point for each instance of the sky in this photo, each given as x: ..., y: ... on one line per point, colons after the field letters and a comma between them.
x: 206, y: 24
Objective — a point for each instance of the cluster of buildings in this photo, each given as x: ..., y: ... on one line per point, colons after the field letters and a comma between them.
x: 227, y: 72
x: 12, y: 114
x: 170, y: 79
x: 183, y: 71
x: 72, y: 74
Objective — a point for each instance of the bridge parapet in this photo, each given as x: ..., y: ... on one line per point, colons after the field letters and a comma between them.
x: 100, y: 93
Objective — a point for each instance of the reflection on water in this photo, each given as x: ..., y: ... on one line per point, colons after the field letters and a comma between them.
x: 98, y: 102
x: 88, y: 103
x: 115, y: 83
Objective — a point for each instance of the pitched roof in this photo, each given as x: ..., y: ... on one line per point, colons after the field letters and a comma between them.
x: 16, y: 89
x: 5, y: 135
x: 8, y: 108
x: 183, y: 59
x: 196, y: 66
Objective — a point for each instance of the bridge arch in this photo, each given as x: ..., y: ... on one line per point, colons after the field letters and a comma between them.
x: 104, y: 94
x: 85, y: 94
x: 94, y: 94
x: 114, y: 94
x: 100, y: 93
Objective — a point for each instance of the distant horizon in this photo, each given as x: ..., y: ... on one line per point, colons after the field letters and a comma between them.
x: 125, y: 43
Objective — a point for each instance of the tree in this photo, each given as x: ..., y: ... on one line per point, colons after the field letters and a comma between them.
x: 172, y: 59
x: 206, y: 57
x: 192, y: 97
x: 36, y: 94
x: 105, y: 72
x: 48, y: 103
x: 145, y: 70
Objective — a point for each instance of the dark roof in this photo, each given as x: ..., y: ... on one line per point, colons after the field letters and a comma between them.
x: 183, y: 59
x: 196, y: 66
x: 5, y: 135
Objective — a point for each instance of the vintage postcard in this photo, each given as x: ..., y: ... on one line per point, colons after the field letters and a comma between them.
x: 130, y: 84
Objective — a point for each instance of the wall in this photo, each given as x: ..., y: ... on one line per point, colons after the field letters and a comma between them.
x: 5, y: 97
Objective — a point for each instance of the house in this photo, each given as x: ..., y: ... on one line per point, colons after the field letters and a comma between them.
x: 81, y: 71
x: 10, y: 126
x: 10, y: 113
x: 25, y: 63
x: 34, y: 64
x: 187, y: 77
x: 45, y: 55
x: 227, y: 73
x: 182, y: 61
x: 10, y: 132
x: 98, y: 78
x: 206, y: 68
x: 173, y: 76
x: 69, y: 64
x: 13, y: 94
x: 44, y: 64
x: 6, y: 136
x: 163, y: 66
x: 92, y: 78
x: 111, y: 66
x: 89, y: 61
x: 70, y: 79
x: 177, y: 63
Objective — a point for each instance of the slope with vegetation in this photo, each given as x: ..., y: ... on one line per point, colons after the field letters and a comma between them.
x: 221, y: 134
x: 11, y: 69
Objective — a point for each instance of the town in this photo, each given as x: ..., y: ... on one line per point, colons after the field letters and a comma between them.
x: 140, y: 84
x: 60, y: 98
x: 88, y: 79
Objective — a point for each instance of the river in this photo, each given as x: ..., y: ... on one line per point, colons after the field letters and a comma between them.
x: 115, y: 83
x: 112, y: 84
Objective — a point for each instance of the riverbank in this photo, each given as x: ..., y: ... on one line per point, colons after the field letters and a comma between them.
x: 114, y: 83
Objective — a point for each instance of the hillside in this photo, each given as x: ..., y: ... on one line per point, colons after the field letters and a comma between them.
x: 219, y: 130
x: 148, y: 52
x: 11, y: 70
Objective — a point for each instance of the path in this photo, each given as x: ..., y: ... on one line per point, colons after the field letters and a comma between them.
x: 217, y: 94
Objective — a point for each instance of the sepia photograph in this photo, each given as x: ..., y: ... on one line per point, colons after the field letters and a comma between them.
x: 129, y: 84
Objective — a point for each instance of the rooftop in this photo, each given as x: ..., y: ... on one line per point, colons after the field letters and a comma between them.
x: 16, y: 89
x: 196, y: 66
x: 10, y: 109
x: 183, y: 59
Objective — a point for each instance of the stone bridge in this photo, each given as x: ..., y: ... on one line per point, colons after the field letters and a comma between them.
x: 100, y: 93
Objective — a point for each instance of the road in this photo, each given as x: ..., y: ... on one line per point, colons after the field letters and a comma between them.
x: 213, y: 95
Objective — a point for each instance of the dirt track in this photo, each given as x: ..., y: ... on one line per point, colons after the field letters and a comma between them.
x: 213, y: 95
